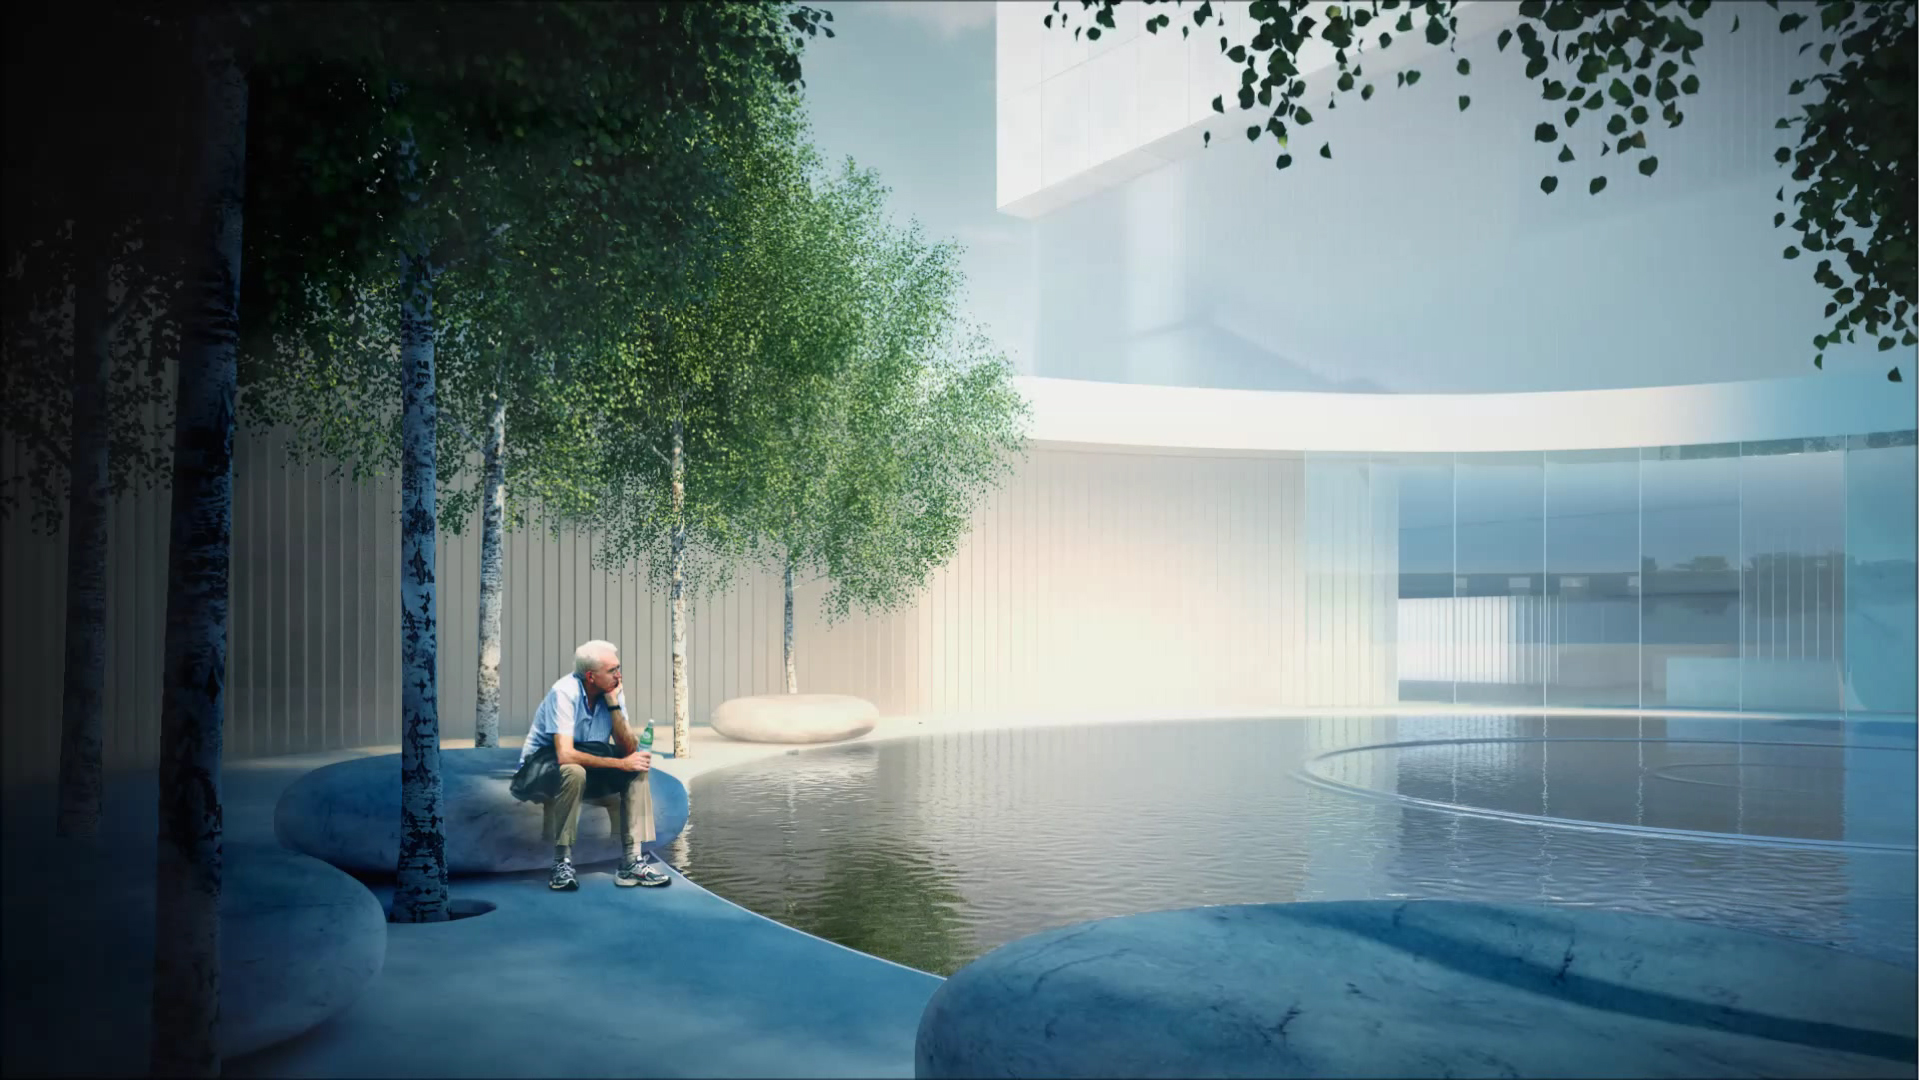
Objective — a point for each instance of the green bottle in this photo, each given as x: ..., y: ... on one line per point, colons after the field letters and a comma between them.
x: 646, y: 737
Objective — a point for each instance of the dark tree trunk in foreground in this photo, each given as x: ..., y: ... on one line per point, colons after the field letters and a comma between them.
x: 420, y: 888
x: 186, y: 962
x: 493, y: 514
x: 82, y: 704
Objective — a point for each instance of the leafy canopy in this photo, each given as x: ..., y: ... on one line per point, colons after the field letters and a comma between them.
x: 870, y: 474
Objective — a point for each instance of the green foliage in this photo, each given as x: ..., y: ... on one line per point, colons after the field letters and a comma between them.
x: 1855, y: 161
x: 1855, y: 158
x: 572, y: 178
x: 869, y: 474
x: 704, y: 354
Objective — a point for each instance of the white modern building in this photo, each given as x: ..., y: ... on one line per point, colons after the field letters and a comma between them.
x: 1542, y: 450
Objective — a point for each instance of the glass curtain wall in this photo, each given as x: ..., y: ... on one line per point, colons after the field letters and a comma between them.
x: 1880, y: 574
x: 1758, y: 576
x: 1499, y: 564
x: 1793, y: 520
x: 1689, y: 576
x: 1593, y: 577
x: 1423, y: 489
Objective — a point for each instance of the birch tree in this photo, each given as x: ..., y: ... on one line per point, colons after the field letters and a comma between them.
x: 870, y: 479
x: 565, y: 85
x: 498, y: 375
x: 186, y: 982
x: 697, y: 374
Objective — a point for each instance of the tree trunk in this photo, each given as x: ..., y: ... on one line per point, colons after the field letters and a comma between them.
x: 184, y: 1038
x: 420, y: 879
x: 793, y: 684
x: 486, y: 721
x: 677, y: 592
x: 81, y: 719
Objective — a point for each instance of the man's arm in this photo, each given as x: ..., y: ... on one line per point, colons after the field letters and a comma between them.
x: 565, y: 754
x: 624, y: 739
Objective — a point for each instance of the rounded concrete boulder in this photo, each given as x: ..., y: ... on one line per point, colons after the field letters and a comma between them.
x: 299, y: 942
x: 348, y: 814
x: 1416, y: 989
x: 795, y: 718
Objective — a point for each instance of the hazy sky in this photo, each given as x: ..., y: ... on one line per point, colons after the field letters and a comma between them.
x: 906, y: 88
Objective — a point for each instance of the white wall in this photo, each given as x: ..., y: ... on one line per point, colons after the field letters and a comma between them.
x: 1423, y: 257
x: 1076, y: 116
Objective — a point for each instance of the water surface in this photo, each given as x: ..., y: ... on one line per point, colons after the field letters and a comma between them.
x: 931, y: 851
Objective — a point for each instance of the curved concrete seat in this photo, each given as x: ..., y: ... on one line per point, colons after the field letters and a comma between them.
x: 349, y: 815
x: 1416, y: 989
x: 299, y: 942
x: 795, y: 718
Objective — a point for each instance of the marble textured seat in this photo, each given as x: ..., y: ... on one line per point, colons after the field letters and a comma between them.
x: 299, y: 942
x: 795, y: 718
x: 348, y: 814
x: 1416, y: 989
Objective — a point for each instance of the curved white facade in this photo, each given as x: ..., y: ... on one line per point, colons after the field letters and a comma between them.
x: 1733, y: 545
x: 1122, y: 414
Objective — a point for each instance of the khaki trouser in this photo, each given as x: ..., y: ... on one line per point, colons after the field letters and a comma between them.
x: 630, y: 810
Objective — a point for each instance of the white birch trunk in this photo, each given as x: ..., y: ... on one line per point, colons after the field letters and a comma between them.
x: 486, y: 721
x: 420, y: 885
x: 677, y: 593
x: 185, y: 1013
x: 82, y: 704
x: 793, y: 683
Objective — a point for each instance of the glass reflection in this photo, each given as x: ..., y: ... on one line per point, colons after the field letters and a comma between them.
x: 1498, y: 567
x: 1689, y: 555
x: 1593, y: 578
x: 1792, y: 535
x: 1760, y: 576
x: 1880, y: 573
x: 1424, y: 637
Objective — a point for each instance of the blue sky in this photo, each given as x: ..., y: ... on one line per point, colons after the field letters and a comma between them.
x: 906, y: 89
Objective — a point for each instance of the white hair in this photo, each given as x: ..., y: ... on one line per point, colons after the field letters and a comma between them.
x: 592, y: 654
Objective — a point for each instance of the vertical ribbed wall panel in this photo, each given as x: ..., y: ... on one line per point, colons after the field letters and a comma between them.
x: 1351, y: 558
x: 1092, y: 580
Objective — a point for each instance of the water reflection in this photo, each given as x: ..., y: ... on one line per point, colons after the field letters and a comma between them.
x: 1754, y: 779
x: 932, y: 851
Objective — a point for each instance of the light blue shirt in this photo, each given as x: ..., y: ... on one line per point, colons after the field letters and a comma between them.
x: 566, y: 711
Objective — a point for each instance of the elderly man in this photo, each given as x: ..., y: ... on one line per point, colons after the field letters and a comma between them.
x: 580, y: 749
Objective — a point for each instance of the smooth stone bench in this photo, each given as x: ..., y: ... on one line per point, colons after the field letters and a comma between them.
x: 349, y: 815
x: 1416, y: 989
x: 299, y: 942
x: 795, y: 718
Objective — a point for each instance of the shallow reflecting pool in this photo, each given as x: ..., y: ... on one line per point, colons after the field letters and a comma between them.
x: 931, y: 851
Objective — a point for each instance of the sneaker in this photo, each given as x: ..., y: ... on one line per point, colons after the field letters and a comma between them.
x: 563, y: 878
x: 641, y: 871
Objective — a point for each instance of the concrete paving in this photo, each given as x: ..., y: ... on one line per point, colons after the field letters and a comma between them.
x: 604, y: 981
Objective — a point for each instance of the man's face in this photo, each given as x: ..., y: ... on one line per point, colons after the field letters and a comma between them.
x: 605, y: 675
